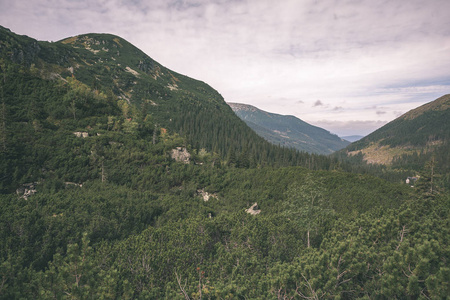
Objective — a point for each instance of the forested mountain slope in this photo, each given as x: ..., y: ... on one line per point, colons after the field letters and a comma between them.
x: 409, y: 142
x: 113, y: 187
x: 288, y: 131
x: 98, y: 83
x: 422, y: 128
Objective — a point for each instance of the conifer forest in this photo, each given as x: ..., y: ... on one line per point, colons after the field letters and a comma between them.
x: 122, y: 179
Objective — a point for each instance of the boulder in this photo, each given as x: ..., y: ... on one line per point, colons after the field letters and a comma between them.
x: 181, y: 154
x: 253, y: 210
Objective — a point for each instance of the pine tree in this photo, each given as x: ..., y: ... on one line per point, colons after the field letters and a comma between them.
x: 305, y: 204
x: 426, y: 184
x: 231, y: 159
x: 244, y: 159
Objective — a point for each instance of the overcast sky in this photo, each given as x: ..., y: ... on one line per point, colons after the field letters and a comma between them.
x: 347, y: 66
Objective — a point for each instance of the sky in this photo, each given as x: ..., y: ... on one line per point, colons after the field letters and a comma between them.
x: 349, y: 66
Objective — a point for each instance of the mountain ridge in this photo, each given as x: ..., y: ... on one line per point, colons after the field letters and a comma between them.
x: 419, y: 128
x: 409, y: 144
x: 288, y: 130
x: 98, y: 83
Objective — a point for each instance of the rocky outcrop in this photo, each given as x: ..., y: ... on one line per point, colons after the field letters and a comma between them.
x: 73, y: 184
x: 253, y: 210
x: 180, y: 154
x: 146, y: 65
x: 81, y: 134
x: 205, y: 195
x: 27, y: 190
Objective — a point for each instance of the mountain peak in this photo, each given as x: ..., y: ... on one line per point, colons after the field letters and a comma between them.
x: 95, y: 40
x: 102, y: 83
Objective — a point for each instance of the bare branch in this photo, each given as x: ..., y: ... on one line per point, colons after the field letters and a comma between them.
x: 402, y: 235
x: 311, y: 290
x: 186, y: 296
x: 423, y: 294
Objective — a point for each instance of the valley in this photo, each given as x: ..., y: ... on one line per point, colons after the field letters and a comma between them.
x: 122, y: 179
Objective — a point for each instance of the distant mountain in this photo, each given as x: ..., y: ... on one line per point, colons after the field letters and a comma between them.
x: 288, y: 131
x: 122, y: 179
x: 352, y: 138
x: 419, y: 132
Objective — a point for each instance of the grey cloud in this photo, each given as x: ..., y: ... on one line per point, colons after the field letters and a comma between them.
x: 317, y: 103
x: 379, y: 112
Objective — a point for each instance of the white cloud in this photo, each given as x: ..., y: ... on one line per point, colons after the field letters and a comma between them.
x: 350, y: 54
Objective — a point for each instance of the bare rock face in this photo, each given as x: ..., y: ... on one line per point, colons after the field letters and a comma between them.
x: 253, y: 210
x: 181, y: 154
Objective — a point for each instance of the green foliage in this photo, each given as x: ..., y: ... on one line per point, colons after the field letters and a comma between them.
x: 420, y: 135
x: 306, y: 205
x: 93, y: 206
x: 422, y: 126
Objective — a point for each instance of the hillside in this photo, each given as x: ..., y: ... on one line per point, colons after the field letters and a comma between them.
x: 405, y: 146
x: 114, y: 185
x: 422, y: 130
x: 100, y: 83
x: 288, y: 131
